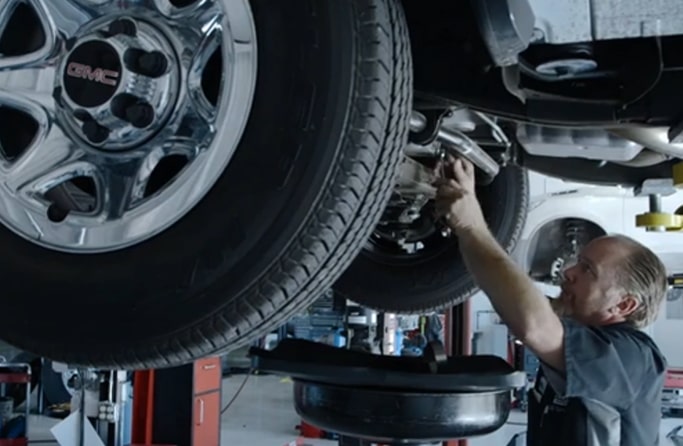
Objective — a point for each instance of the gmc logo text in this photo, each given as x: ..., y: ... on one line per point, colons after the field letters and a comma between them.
x: 99, y: 75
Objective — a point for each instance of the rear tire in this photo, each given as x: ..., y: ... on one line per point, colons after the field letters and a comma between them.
x: 437, y: 277
x: 308, y: 183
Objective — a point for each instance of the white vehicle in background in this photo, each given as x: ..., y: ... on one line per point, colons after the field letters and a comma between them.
x: 565, y: 216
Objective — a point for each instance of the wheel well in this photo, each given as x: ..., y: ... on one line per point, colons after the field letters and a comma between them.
x: 554, y: 240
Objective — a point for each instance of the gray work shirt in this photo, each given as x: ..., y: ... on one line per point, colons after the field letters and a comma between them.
x: 610, y: 394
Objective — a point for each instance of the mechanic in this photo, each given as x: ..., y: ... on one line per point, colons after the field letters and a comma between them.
x: 601, y: 378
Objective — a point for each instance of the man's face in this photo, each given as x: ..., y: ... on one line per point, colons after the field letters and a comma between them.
x: 589, y: 294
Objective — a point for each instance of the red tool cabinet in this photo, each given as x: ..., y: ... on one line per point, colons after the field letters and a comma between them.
x: 178, y: 406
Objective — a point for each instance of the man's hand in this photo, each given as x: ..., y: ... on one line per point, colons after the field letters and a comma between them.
x: 456, y: 199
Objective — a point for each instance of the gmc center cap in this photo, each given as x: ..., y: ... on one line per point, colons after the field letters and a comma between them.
x: 92, y: 74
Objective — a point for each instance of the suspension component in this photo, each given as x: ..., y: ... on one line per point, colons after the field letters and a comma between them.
x: 575, y: 234
x: 408, y: 218
x: 458, y: 144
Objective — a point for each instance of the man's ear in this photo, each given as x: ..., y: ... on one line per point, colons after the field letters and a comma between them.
x: 628, y: 304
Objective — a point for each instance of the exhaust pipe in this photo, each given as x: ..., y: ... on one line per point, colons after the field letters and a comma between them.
x: 654, y: 138
x: 458, y: 144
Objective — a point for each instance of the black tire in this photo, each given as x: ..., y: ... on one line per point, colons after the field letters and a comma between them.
x: 437, y: 278
x: 307, y: 185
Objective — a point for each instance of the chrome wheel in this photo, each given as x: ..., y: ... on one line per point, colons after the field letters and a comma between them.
x: 117, y: 116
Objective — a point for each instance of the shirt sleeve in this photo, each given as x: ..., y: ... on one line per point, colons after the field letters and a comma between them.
x: 601, y: 363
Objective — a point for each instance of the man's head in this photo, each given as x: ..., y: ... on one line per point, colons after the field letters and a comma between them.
x: 615, y: 279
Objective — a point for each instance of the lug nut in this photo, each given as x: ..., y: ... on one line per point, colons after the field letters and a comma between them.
x: 95, y: 133
x: 120, y: 103
x: 133, y: 110
x: 140, y: 115
x: 125, y: 27
x: 57, y: 214
x: 151, y: 64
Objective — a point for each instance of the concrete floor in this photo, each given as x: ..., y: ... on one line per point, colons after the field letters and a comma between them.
x: 263, y: 415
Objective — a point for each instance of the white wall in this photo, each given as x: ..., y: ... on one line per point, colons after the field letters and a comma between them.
x: 667, y: 332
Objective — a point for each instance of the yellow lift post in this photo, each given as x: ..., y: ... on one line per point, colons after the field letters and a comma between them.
x: 656, y: 220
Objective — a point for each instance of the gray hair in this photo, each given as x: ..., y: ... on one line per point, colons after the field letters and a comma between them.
x: 643, y: 275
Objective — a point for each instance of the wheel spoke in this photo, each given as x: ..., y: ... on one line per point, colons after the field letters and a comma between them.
x: 51, y: 160
x: 116, y: 183
x: 181, y: 9
x: 62, y: 19
x: 27, y: 88
x: 8, y: 8
x: 28, y: 91
x: 201, y: 41
x: 185, y: 147
x: 58, y: 20
x: 222, y: 45
x: 203, y: 102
